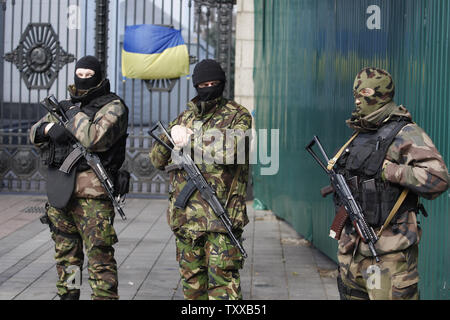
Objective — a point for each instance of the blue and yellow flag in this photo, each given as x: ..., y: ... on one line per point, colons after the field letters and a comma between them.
x: 154, y: 52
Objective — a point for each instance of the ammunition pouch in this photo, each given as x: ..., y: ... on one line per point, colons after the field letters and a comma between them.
x: 54, y: 154
x: 377, y: 198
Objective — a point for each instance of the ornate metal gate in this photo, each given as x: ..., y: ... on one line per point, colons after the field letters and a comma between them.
x: 40, y: 41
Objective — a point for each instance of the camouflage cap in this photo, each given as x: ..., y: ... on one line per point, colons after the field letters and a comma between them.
x: 378, y: 80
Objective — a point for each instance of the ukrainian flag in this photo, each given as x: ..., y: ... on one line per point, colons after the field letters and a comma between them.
x: 154, y: 52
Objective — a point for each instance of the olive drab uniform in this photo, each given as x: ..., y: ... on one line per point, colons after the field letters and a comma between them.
x: 390, y: 154
x: 99, y: 124
x: 208, y: 260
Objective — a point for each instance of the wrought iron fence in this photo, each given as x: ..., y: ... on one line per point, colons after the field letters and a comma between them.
x: 39, y: 44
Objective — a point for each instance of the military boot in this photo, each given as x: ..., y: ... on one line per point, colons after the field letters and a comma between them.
x: 71, y: 295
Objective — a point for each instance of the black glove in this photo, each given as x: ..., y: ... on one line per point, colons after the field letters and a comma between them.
x: 121, y: 183
x: 59, y: 134
x: 40, y: 136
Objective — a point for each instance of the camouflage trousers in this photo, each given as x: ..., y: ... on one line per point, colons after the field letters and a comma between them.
x: 209, y: 267
x: 395, y: 277
x: 88, y: 222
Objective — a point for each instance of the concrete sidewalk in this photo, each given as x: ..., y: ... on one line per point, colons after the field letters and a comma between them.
x: 281, y: 265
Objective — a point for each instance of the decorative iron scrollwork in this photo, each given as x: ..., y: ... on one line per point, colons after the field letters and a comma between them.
x: 39, y: 57
x: 141, y: 165
x: 24, y: 162
x: 161, y: 85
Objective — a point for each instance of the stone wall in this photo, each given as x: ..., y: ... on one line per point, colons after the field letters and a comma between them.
x: 243, y: 85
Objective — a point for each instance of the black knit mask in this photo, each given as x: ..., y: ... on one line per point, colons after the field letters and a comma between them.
x: 208, y: 70
x: 88, y: 62
x: 210, y: 93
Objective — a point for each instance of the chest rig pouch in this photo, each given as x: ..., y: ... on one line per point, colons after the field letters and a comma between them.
x: 53, y: 154
x: 361, y: 165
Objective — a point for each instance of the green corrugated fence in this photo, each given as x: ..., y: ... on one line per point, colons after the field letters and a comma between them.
x: 307, y: 53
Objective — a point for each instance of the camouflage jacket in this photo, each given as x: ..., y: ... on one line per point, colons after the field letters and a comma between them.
x: 97, y: 135
x: 198, y: 217
x: 413, y: 162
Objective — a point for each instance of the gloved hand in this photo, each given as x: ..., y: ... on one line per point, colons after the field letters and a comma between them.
x: 59, y: 134
x: 121, y: 183
x: 386, y: 162
x: 181, y: 135
x: 41, y: 134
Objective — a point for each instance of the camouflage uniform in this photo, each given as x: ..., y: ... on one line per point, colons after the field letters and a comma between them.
x: 89, y: 216
x: 209, y: 262
x: 413, y: 162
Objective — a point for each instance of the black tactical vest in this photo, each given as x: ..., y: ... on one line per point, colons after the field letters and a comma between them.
x: 361, y: 165
x: 113, y: 158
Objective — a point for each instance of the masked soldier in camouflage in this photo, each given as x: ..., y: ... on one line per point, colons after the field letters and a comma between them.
x: 79, y: 210
x: 209, y: 262
x: 391, y: 155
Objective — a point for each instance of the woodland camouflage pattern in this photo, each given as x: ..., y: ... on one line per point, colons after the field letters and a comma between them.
x: 413, y: 162
x: 93, y: 221
x: 209, y: 262
x: 217, y: 279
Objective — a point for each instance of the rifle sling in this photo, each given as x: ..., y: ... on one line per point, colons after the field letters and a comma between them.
x: 394, y: 210
x: 333, y: 161
x: 233, y: 185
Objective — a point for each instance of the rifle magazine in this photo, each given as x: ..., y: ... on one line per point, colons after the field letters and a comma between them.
x: 338, y: 223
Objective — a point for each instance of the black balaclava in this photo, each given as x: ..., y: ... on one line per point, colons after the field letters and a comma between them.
x: 208, y: 70
x: 88, y: 62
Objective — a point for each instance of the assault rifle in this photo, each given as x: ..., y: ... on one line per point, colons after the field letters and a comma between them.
x: 196, y: 181
x: 346, y: 199
x: 52, y: 105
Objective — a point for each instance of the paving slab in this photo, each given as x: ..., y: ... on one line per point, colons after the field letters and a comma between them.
x: 281, y: 265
